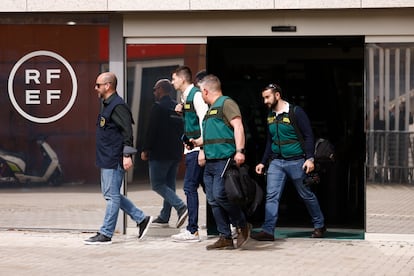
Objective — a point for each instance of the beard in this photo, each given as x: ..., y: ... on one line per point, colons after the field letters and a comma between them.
x: 273, y: 105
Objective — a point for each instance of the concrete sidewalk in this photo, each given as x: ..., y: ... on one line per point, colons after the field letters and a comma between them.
x: 61, y: 251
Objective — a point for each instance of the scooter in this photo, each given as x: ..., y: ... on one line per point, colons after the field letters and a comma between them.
x: 13, y: 167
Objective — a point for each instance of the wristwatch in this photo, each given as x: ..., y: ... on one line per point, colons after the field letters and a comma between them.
x: 241, y: 151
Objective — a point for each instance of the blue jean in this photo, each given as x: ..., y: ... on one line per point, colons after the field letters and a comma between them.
x: 278, y: 172
x: 192, y: 179
x: 162, y: 175
x: 111, y: 181
x: 224, y: 211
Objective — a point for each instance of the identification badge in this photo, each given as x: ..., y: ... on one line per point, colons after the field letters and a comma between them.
x: 102, y: 122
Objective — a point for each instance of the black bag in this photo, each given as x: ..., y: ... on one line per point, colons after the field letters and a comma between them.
x: 240, y: 188
x: 324, y: 151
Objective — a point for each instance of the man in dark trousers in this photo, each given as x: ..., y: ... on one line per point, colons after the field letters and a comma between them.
x: 193, y: 109
x: 287, y: 158
x: 114, y: 142
x: 163, y: 148
x: 223, y: 138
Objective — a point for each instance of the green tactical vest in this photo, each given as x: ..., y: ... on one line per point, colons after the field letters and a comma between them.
x: 218, y: 136
x: 191, y: 122
x: 285, y: 140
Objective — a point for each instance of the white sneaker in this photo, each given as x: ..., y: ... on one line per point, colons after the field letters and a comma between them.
x: 186, y: 236
x: 234, y: 233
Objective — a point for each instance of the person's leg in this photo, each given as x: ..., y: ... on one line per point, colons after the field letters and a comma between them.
x: 276, y: 179
x: 111, y: 180
x: 191, y: 184
x: 159, y: 171
x: 216, y: 197
x: 296, y: 173
x: 225, y: 240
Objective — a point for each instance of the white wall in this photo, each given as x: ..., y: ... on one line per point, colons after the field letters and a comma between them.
x: 189, y: 5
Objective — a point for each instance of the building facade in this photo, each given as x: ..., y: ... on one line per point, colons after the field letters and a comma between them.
x: 348, y: 63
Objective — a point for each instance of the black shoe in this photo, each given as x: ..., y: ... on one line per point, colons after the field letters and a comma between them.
x: 143, y: 227
x: 262, y: 236
x: 182, y: 215
x: 318, y: 232
x: 98, y: 239
x: 158, y: 222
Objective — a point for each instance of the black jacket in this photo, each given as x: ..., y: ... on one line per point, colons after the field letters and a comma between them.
x: 162, y: 139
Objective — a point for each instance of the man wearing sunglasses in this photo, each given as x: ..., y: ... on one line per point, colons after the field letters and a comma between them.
x: 114, y: 142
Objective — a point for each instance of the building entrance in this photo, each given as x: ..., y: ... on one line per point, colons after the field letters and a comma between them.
x: 324, y: 75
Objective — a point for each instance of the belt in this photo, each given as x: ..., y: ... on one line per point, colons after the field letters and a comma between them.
x: 278, y: 156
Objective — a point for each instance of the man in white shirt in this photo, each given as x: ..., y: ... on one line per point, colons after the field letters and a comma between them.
x: 193, y: 108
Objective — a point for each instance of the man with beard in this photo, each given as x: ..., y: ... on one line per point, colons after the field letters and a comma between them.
x: 289, y: 156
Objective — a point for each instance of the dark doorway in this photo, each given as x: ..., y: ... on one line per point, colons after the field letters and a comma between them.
x: 324, y: 75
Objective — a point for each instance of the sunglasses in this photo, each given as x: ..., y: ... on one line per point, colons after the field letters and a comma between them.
x: 98, y: 85
x: 274, y: 87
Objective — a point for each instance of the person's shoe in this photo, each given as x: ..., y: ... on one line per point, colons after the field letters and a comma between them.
x: 143, y: 227
x: 158, y: 222
x: 262, y: 236
x: 243, y: 235
x: 221, y: 243
x: 186, y: 236
x: 98, y: 239
x: 182, y: 215
x: 318, y: 232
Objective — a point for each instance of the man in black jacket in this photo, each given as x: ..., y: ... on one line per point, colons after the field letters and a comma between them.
x: 114, y: 142
x: 163, y: 148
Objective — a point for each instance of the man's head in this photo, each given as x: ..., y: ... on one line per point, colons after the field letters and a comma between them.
x: 271, y: 95
x: 210, y: 87
x: 199, y: 76
x: 181, y: 78
x: 106, y: 84
x: 162, y: 88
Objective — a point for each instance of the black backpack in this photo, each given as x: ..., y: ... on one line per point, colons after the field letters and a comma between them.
x: 324, y: 149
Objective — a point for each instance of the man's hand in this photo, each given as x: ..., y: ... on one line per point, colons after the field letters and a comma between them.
x: 260, y: 168
x: 308, y: 166
x: 201, y: 158
x: 127, y: 161
x: 144, y: 155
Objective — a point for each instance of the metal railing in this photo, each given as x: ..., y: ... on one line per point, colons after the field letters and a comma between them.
x: 390, y: 156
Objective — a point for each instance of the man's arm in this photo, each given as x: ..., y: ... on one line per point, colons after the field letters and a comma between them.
x: 239, y: 138
x: 122, y: 118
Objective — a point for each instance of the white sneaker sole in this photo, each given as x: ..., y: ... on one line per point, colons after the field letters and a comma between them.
x: 146, y: 228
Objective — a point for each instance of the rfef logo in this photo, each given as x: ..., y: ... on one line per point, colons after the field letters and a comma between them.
x: 42, y: 86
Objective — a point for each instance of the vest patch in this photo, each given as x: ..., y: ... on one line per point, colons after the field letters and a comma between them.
x: 213, y: 112
x: 286, y: 120
x: 102, y: 121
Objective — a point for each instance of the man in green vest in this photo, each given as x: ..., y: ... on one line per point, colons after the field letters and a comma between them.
x: 223, y: 138
x: 288, y: 157
x: 193, y: 109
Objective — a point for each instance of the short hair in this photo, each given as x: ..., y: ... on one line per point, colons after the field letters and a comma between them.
x: 200, y: 75
x: 184, y: 72
x: 212, y: 82
x: 165, y: 86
